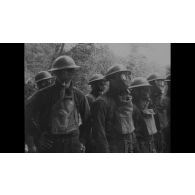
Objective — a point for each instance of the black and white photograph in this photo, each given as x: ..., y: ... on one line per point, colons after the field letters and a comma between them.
x: 96, y: 95
x: 97, y: 98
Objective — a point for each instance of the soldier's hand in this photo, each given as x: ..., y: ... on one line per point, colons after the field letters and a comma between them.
x: 83, y: 148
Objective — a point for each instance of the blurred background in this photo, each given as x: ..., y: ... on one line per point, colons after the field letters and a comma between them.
x: 141, y: 58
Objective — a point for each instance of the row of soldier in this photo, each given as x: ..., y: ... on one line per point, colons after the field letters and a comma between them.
x: 131, y: 115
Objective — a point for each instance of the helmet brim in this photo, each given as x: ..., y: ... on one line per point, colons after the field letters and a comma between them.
x: 112, y: 73
x: 44, y: 79
x: 72, y: 67
x: 95, y: 80
x: 161, y: 78
x: 142, y: 85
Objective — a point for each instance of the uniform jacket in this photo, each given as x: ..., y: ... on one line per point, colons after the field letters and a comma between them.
x: 38, y: 109
x: 90, y: 99
x: 140, y: 125
x: 103, y: 113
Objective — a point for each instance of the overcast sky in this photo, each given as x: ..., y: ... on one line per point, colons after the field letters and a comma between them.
x: 155, y: 52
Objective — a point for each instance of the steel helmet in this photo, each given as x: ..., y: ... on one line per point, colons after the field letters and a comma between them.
x: 63, y: 62
x: 43, y: 75
x: 115, y: 69
x: 155, y: 76
x: 96, y: 77
x: 168, y: 78
x: 139, y: 82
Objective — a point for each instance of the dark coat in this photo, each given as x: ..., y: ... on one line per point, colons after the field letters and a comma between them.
x: 90, y: 99
x: 145, y: 142
x: 38, y: 109
x: 104, y: 128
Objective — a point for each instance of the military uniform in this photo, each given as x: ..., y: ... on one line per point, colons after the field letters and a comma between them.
x: 113, y: 128
x: 145, y: 130
x: 55, y: 110
x: 42, y: 79
x: 143, y: 117
x: 159, y: 103
x: 97, y: 83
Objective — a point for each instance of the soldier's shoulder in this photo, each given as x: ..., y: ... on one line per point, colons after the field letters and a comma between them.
x: 47, y: 89
x: 90, y: 97
x: 32, y: 97
x: 40, y: 93
x: 78, y: 92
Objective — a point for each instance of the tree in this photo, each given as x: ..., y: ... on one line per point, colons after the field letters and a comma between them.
x: 92, y: 58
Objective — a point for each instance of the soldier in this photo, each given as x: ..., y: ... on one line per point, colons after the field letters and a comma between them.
x: 159, y: 106
x: 113, y: 128
x: 43, y: 79
x: 97, y: 83
x: 57, y: 109
x: 157, y: 82
x: 143, y: 117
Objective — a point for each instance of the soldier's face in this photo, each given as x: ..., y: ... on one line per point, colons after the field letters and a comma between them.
x: 100, y: 85
x: 144, y: 103
x: 160, y: 84
x: 121, y: 81
x: 43, y: 84
x: 65, y: 75
x: 144, y: 97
